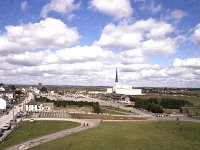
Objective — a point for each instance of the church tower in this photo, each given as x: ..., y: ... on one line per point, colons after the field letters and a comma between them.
x: 116, y: 77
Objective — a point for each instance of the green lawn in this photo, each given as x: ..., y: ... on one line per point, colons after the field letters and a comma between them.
x: 26, y: 131
x: 114, y: 111
x: 131, y: 136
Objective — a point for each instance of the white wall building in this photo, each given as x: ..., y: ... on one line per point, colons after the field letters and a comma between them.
x: 32, y: 106
x: 3, y: 103
x: 126, y: 89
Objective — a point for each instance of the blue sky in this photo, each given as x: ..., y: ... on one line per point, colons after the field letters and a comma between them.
x: 81, y: 42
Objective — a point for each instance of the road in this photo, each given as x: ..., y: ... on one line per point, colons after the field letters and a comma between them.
x: 53, y: 136
x: 6, y: 118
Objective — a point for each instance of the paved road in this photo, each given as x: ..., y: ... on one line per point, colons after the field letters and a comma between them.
x: 53, y: 136
x: 6, y: 118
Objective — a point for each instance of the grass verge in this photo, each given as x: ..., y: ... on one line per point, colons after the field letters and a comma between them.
x: 26, y: 131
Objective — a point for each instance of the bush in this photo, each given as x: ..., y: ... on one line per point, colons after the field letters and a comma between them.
x: 156, y: 106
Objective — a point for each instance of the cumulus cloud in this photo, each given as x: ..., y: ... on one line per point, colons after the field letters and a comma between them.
x: 79, y: 62
x: 149, y: 35
x: 24, y: 5
x: 196, y: 34
x: 116, y: 8
x: 165, y: 46
x: 131, y: 56
x: 188, y: 63
x: 59, y: 6
x: 83, y: 54
x: 48, y: 33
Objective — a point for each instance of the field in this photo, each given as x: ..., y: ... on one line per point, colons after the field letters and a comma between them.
x: 26, y: 131
x: 114, y: 111
x: 138, y: 135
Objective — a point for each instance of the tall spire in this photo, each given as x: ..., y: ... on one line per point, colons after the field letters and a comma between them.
x: 116, y: 78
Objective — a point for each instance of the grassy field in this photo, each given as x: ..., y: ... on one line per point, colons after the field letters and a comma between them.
x: 26, y: 131
x: 114, y: 111
x: 131, y: 136
x: 194, y: 100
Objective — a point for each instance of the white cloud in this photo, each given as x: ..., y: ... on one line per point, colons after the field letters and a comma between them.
x: 116, y: 8
x: 60, y: 6
x: 82, y: 54
x: 131, y: 56
x: 188, y: 63
x: 48, y: 33
x: 24, y: 5
x: 151, y: 6
x: 163, y: 46
x: 196, y: 34
x: 177, y: 14
x: 149, y: 35
x: 79, y: 64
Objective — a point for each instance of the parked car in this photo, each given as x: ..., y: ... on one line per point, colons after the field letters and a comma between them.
x: 7, y: 126
x: 32, y: 120
x: 1, y: 133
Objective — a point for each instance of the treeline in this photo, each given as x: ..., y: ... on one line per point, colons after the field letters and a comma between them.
x: 157, y: 105
x: 94, y: 105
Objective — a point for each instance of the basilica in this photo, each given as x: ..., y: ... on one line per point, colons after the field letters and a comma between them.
x: 125, y: 89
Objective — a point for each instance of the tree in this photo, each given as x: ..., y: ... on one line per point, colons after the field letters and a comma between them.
x: 12, y: 87
x: 43, y: 90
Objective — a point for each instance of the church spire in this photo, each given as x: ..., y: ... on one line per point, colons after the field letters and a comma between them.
x: 116, y: 78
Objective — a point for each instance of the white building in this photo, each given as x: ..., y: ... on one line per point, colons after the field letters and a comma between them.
x: 32, y: 106
x: 126, y: 89
x: 3, y: 103
x: 2, y: 88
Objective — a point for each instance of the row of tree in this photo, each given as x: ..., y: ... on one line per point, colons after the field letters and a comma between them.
x: 94, y: 105
x: 157, y: 105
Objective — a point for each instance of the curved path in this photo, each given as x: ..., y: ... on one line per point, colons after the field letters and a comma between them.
x: 92, y: 123
x: 53, y: 136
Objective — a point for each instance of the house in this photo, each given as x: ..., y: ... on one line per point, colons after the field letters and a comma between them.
x: 3, y: 104
x: 32, y: 106
x: 2, y: 88
x: 7, y: 94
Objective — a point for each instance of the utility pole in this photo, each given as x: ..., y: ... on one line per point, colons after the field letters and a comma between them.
x: 13, y: 114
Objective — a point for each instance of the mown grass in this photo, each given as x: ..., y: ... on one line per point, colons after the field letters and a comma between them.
x: 131, y: 136
x: 26, y: 131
